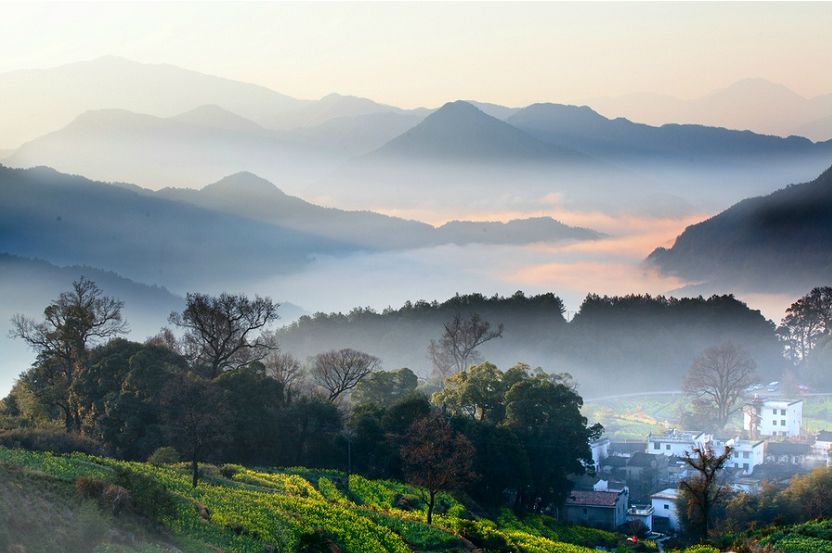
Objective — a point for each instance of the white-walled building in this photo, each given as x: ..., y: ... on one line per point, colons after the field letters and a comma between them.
x: 643, y: 513
x: 664, y: 505
x: 600, y: 451
x: 675, y: 442
x: 823, y: 443
x: 747, y: 454
x: 773, y: 417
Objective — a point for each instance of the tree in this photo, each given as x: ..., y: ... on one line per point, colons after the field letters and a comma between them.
x: 194, y: 417
x: 718, y: 377
x: 456, y: 350
x: 340, y: 371
x: 702, y: 493
x: 807, y: 323
x: 71, y: 324
x: 478, y: 392
x: 810, y: 495
x: 544, y: 411
x: 436, y: 458
x: 384, y: 388
x: 224, y: 332
x: 284, y: 368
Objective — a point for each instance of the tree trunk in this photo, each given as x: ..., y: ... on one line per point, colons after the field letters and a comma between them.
x: 432, y: 496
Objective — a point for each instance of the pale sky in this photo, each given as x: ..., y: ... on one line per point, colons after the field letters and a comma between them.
x: 425, y: 54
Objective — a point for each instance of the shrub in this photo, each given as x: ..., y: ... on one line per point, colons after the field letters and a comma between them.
x: 89, y: 487
x: 163, y: 456
x: 49, y: 439
x: 317, y: 541
x: 228, y: 470
x: 484, y: 536
x: 149, y: 497
x: 702, y: 549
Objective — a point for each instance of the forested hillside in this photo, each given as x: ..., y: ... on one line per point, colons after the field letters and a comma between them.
x: 655, y: 338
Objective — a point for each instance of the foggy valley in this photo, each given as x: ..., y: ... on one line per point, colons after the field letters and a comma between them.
x: 369, y: 277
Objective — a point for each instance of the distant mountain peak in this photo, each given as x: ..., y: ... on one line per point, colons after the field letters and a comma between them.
x: 243, y: 183
x: 460, y: 131
x: 212, y: 115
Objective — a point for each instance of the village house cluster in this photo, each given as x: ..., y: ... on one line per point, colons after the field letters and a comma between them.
x: 636, y: 482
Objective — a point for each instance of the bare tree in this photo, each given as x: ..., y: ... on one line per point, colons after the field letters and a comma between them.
x: 456, y: 350
x: 224, y: 332
x: 339, y: 371
x: 437, y: 458
x: 284, y: 368
x: 165, y: 338
x: 718, y: 378
x: 77, y: 320
x: 702, y: 492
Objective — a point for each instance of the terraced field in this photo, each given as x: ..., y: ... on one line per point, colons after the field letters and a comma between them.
x: 242, y: 510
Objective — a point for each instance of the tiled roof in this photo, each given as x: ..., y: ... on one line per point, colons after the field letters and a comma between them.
x: 787, y: 448
x: 593, y: 499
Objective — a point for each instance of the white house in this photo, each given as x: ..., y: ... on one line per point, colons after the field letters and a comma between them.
x: 600, y: 451
x: 664, y: 505
x: 823, y: 443
x: 644, y: 513
x: 773, y: 417
x: 746, y: 454
x: 675, y: 442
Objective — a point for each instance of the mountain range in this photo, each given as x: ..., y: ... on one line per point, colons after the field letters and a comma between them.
x: 71, y: 220
x: 754, y: 104
x: 236, y: 228
x: 358, y: 153
x: 779, y: 242
x: 247, y: 195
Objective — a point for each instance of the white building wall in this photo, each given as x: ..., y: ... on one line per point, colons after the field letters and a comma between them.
x: 666, y: 507
x: 780, y: 418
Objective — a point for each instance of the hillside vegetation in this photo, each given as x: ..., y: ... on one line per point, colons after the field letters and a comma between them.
x: 236, y: 509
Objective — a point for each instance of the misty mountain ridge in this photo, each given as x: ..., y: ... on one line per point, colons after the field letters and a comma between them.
x: 779, y: 242
x: 190, y: 148
x: 247, y: 195
x: 111, y: 82
x: 71, y: 220
x: 459, y: 131
x: 584, y: 129
x: 754, y: 103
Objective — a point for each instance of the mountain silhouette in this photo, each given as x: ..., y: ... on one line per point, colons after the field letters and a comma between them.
x: 779, y: 242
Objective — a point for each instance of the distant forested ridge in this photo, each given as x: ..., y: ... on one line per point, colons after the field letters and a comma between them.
x: 619, y: 343
x: 780, y: 242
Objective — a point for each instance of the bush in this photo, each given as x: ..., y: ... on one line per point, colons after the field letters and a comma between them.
x: 109, y: 496
x: 149, y: 497
x: 702, y: 549
x: 483, y: 536
x: 49, y: 439
x: 317, y: 541
x: 89, y: 487
x: 164, y: 456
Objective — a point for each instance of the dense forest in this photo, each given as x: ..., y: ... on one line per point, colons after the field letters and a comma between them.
x: 649, y: 340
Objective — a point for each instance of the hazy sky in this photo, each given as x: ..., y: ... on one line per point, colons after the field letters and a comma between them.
x: 426, y: 54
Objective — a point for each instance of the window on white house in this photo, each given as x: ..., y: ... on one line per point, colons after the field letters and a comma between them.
x: 667, y: 447
x: 745, y: 455
x: 657, y: 445
x: 745, y: 467
x: 783, y: 422
x: 666, y: 507
x: 782, y: 411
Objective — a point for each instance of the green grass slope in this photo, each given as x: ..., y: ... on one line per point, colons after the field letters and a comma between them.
x: 241, y: 510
